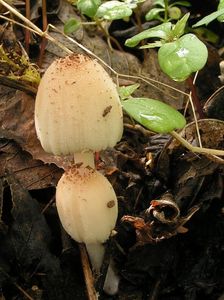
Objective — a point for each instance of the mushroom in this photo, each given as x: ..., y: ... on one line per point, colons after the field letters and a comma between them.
x: 87, y: 206
x: 77, y: 109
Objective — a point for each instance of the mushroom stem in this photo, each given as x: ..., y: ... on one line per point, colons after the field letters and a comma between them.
x: 86, y: 158
x: 96, y: 253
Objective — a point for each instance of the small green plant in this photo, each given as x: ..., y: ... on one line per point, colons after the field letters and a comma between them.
x: 101, y: 13
x: 158, y: 117
x: 178, y: 52
x: 165, y: 11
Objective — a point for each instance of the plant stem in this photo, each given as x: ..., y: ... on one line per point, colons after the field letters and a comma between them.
x: 18, y: 85
x: 195, y: 99
x: 166, y: 11
x: 196, y: 149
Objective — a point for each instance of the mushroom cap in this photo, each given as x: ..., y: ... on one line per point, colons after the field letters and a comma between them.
x: 86, y: 204
x: 77, y: 107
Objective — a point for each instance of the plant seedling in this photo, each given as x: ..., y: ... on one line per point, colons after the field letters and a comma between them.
x: 161, y: 118
x: 101, y: 14
x: 164, y: 11
x: 178, y: 53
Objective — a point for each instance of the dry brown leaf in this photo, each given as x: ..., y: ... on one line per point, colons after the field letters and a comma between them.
x: 17, y: 123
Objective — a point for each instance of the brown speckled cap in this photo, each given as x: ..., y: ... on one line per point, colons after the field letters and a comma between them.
x: 77, y: 107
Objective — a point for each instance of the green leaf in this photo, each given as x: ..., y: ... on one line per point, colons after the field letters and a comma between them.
x: 181, y: 58
x: 208, y: 19
x: 133, y: 3
x: 159, y: 3
x: 180, y: 3
x: 161, y: 31
x: 221, y: 6
x: 154, y: 114
x: 126, y: 91
x: 178, y: 29
x: 113, y: 10
x: 71, y: 26
x: 153, y: 14
x: 88, y: 7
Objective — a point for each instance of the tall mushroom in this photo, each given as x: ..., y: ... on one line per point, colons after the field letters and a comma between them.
x: 78, y: 112
x: 77, y: 109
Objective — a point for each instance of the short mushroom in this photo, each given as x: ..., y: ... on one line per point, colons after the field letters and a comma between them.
x: 87, y: 206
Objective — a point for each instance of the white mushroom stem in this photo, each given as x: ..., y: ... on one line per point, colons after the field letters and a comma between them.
x: 86, y: 158
x: 112, y: 280
x: 96, y: 254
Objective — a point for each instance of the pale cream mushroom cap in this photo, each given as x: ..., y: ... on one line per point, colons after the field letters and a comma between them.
x: 87, y: 205
x: 77, y: 107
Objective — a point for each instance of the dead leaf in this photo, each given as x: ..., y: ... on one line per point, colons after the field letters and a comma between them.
x: 17, y: 123
x: 26, y: 248
x: 33, y: 174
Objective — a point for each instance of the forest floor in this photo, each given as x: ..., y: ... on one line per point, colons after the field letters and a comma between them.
x: 169, y: 241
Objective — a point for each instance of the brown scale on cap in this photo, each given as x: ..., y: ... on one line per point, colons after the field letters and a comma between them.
x: 73, y: 60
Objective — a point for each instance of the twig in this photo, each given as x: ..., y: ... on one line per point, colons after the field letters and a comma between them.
x: 48, y: 205
x: 27, y: 31
x: 155, y: 290
x: 34, y: 27
x: 18, y: 85
x: 45, y: 24
x: 100, y: 281
x: 23, y: 292
x: 92, y: 295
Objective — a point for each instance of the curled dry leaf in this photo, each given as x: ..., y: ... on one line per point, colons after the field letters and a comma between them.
x: 160, y: 221
x: 164, y: 210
